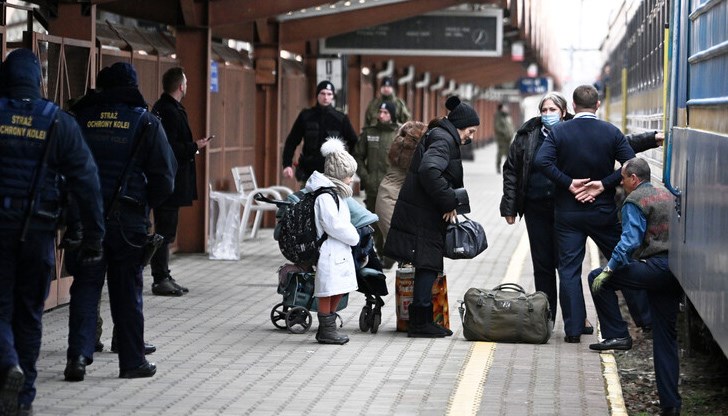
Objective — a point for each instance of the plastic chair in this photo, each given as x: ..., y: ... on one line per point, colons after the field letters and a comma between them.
x: 247, y: 187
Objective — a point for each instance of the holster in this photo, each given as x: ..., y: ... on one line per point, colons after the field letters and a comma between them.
x: 154, y: 241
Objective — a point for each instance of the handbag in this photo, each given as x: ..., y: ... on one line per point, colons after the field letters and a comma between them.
x: 506, y: 314
x: 464, y: 239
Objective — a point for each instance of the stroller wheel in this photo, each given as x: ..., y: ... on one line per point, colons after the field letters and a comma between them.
x: 364, y: 319
x: 376, y: 320
x: 278, y: 315
x: 298, y: 320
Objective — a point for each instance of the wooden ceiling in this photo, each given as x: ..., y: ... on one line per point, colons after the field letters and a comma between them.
x: 256, y: 21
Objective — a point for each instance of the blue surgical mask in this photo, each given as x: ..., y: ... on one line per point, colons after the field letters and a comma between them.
x: 549, y: 120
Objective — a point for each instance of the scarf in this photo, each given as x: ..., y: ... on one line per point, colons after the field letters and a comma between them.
x: 342, y: 190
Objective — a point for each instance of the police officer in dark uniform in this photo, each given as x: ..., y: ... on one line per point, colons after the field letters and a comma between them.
x: 313, y: 126
x: 41, y: 145
x: 136, y: 168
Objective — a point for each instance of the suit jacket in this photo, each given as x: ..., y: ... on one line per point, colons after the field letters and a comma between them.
x: 583, y: 147
x: 177, y: 128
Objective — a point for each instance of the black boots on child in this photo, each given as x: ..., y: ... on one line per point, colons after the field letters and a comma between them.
x: 421, y: 324
x: 327, y: 333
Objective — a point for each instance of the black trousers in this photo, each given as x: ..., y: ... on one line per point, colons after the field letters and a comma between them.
x: 539, y: 216
x: 422, y: 291
x: 165, y: 224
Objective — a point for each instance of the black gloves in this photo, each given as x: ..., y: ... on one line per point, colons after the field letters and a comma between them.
x: 90, y: 251
x: 71, y: 239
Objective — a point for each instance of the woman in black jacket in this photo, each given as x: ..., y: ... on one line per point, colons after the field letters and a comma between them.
x: 528, y: 193
x: 425, y: 205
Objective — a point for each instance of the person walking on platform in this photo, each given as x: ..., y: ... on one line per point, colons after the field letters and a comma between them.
x: 371, y: 156
x: 640, y: 261
x: 529, y: 193
x: 386, y: 95
x: 427, y: 202
x: 503, y: 127
x: 578, y: 156
x: 399, y: 158
x: 166, y: 216
x: 41, y: 143
x: 136, y: 167
x: 335, y: 270
x: 314, y: 125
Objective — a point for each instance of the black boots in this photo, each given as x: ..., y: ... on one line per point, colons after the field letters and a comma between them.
x: 10, y: 384
x: 421, y: 325
x: 327, y: 330
x: 76, y: 368
x: 145, y: 370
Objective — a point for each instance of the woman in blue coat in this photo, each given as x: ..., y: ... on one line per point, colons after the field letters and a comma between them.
x: 426, y: 203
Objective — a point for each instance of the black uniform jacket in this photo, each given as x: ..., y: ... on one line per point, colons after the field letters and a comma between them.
x: 313, y: 126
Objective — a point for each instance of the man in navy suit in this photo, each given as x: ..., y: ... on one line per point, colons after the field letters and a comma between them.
x: 579, y: 157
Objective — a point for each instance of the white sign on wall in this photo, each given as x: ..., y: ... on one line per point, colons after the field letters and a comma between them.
x: 330, y: 69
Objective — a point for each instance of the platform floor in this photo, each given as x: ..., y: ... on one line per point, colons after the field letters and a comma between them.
x: 219, y: 354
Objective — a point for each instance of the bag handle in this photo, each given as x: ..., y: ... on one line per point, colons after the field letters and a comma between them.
x: 510, y: 286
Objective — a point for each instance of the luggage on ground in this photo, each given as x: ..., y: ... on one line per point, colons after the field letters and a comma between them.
x: 404, y: 285
x: 505, y: 314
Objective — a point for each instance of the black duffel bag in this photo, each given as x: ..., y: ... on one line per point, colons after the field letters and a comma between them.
x: 506, y: 314
x: 464, y: 239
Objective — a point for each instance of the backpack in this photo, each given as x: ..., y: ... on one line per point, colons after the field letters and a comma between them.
x: 296, y: 227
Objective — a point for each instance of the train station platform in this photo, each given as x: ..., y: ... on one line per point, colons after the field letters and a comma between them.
x: 219, y: 354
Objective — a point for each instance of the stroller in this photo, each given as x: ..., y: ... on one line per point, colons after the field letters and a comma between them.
x: 370, y: 279
x: 296, y: 283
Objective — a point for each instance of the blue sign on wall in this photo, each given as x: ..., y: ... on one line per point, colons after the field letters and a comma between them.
x: 214, y: 80
x: 534, y: 85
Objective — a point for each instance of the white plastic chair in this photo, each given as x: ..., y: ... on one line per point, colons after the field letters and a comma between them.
x: 247, y: 186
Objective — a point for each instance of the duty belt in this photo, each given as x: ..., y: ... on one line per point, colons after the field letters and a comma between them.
x: 9, y: 202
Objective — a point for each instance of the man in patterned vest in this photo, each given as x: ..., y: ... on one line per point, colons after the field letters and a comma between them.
x: 640, y: 262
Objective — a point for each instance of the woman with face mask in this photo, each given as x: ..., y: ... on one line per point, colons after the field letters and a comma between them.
x: 527, y: 192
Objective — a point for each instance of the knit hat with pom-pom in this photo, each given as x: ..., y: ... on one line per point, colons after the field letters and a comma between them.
x: 339, y: 163
x: 461, y: 114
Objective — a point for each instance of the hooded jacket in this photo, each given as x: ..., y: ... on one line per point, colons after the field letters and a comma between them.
x: 400, y: 157
x: 417, y: 233
x: 335, y: 272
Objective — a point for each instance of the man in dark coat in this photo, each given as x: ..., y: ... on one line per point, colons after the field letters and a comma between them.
x: 313, y: 125
x: 426, y: 203
x: 40, y: 143
x: 166, y: 216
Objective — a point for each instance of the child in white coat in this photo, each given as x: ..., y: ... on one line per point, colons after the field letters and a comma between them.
x: 335, y: 270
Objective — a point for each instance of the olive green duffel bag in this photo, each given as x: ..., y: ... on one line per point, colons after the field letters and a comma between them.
x: 506, y: 314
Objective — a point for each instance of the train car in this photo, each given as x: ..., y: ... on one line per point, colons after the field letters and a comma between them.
x: 665, y: 70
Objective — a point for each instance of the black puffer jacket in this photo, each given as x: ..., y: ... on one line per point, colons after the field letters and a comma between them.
x: 517, y: 168
x: 417, y: 231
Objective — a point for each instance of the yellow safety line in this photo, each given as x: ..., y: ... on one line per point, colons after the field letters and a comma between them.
x: 471, y: 380
x: 468, y: 391
x: 515, y: 266
x: 609, y: 364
